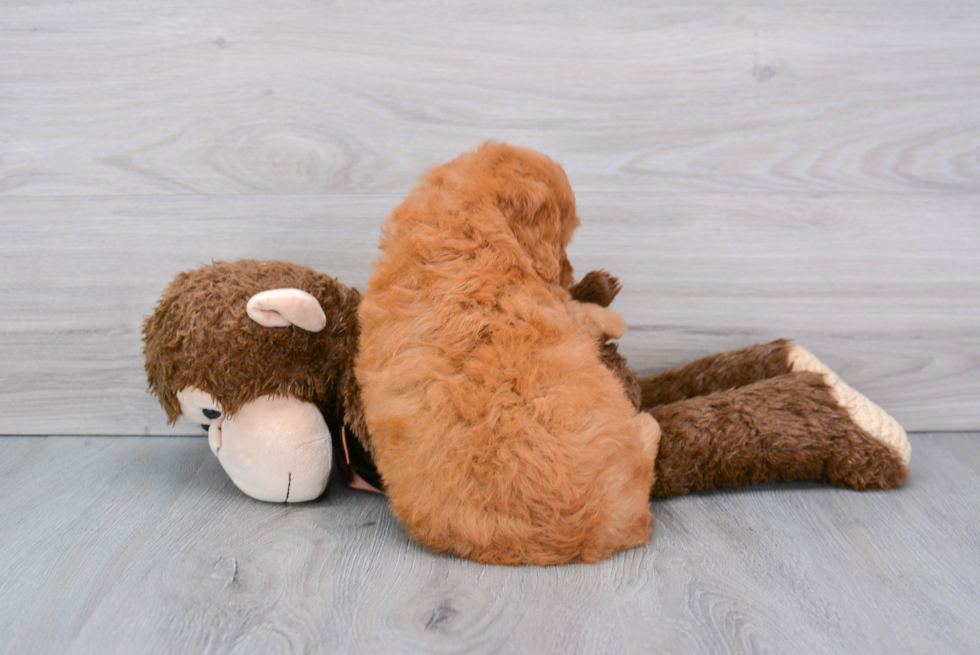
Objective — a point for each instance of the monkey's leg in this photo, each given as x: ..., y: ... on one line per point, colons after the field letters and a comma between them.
x: 727, y: 370
x: 798, y: 426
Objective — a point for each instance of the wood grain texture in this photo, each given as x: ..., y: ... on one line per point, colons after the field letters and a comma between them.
x: 750, y: 170
x: 300, y: 97
x: 121, y: 545
x: 889, y: 305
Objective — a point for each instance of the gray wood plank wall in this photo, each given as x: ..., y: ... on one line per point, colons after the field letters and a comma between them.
x: 750, y: 170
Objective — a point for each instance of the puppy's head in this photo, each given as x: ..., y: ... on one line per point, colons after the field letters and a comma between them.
x: 532, y: 194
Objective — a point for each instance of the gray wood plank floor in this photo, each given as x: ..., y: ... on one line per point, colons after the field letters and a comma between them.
x: 124, y: 545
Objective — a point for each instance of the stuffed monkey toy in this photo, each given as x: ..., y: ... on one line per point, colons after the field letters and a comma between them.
x: 261, y: 354
x: 765, y: 413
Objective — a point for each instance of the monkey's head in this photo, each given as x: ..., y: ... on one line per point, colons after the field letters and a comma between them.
x: 259, y: 353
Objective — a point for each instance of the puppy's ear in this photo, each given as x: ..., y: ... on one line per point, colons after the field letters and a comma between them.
x: 536, y: 221
x: 285, y: 307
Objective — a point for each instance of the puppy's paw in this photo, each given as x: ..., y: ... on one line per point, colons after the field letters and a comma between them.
x: 649, y: 434
x: 599, y: 322
x: 597, y: 288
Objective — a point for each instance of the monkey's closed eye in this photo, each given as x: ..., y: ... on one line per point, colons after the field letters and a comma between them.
x: 211, y: 413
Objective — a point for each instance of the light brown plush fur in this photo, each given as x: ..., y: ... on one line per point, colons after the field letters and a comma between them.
x: 498, y: 431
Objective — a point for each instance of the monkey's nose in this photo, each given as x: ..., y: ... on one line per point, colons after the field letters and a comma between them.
x: 205, y: 427
x: 211, y: 413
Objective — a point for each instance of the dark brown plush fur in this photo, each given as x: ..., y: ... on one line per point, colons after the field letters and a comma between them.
x: 601, y: 288
x: 720, y: 372
x: 597, y: 287
x: 784, y: 428
x: 742, y: 417
x: 200, y: 335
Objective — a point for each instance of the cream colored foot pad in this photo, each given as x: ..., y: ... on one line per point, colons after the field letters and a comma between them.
x: 865, y: 414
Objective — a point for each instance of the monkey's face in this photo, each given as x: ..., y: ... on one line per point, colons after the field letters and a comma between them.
x: 276, y: 449
x: 243, y: 350
x: 199, y: 406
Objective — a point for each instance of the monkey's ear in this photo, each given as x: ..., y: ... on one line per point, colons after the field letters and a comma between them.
x: 285, y: 307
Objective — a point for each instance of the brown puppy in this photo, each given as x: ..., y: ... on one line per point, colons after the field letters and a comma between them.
x: 499, y: 433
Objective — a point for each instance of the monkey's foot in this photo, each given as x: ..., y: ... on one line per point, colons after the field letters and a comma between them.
x: 866, y: 415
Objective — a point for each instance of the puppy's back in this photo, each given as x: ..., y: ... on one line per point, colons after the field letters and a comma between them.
x: 498, y: 433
